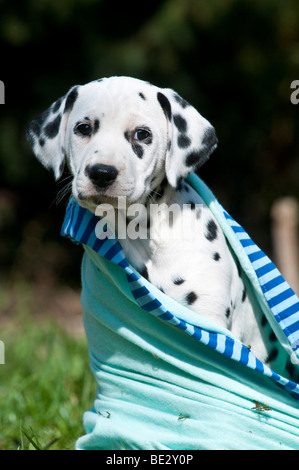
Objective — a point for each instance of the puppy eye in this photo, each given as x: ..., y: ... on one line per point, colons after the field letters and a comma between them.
x: 141, y: 134
x: 84, y: 129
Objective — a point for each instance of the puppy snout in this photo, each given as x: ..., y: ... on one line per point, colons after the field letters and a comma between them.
x: 101, y: 175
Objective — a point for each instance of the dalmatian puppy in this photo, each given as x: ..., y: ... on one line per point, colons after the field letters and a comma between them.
x: 123, y: 137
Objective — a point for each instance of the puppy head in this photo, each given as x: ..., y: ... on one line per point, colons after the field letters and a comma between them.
x: 119, y: 136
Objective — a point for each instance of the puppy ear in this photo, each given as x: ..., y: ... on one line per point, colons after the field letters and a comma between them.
x: 191, y: 137
x: 46, y: 133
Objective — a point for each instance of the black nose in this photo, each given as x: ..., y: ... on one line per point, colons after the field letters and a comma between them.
x: 101, y: 175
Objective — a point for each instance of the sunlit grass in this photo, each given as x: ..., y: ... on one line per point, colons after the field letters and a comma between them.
x: 45, y: 385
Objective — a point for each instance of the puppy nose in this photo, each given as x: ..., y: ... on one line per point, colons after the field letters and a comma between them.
x: 101, y: 175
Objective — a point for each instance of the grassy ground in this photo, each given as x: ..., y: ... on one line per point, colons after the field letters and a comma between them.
x: 45, y: 384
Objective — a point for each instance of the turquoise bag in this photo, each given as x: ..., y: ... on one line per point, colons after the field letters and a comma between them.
x: 169, y: 379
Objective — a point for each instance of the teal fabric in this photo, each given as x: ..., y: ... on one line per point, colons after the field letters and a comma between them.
x: 159, y: 386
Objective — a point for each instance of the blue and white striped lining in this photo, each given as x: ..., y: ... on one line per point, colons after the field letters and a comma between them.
x: 80, y: 224
x: 281, y: 299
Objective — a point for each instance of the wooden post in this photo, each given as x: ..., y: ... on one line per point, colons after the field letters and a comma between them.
x: 285, y: 217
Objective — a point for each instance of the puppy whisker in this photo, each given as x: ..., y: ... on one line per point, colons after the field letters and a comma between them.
x: 65, y: 191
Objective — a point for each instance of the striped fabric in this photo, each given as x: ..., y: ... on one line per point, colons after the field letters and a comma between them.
x: 80, y: 225
x: 281, y: 299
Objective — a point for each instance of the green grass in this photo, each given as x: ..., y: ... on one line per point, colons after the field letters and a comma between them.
x: 45, y: 386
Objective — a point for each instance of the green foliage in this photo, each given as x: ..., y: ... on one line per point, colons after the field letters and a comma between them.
x: 45, y: 386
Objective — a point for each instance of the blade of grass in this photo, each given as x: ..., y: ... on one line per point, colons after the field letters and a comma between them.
x: 47, y: 446
x: 35, y: 445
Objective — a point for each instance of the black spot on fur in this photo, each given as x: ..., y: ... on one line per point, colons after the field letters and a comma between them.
x: 197, y: 158
x: 180, y: 123
x: 244, y: 295
x: 56, y: 105
x: 41, y: 142
x: 190, y: 298
x: 164, y: 102
x: 272, y: 337
x: 142, y: 96
x: 195, y: 207
x: 183, y: 141
x: 193, y: 158
x: 264, y: 320
x: 52, y: 128
x: 210, y: 139
x: 178, y: 280
x: 138, y: 150
x: 144, y: 272
x: 227, y: 312
x: 161, y: 289
x: 272, y: 355
x: 238, y: 267
x: 180, y: 100
x: 216, y: 256
x: 71, y: 99
x: 36, y: 125
x: 211, y: 233
x: 96, y: 126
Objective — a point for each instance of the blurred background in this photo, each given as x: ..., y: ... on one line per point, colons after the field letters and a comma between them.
x: 234, y: 60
